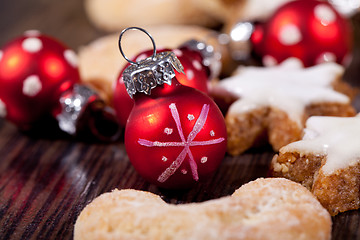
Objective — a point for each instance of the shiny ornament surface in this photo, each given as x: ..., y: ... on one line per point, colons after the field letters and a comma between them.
x: 34, y: 71
x: 310, y: 30
x: 176, y: 136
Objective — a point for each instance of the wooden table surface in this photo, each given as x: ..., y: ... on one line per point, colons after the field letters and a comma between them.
x: 45, y: 180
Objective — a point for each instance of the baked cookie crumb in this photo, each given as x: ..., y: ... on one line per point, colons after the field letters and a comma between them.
x: 326, y: 161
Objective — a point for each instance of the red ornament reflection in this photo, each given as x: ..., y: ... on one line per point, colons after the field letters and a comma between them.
x: 175, y: 136
x: 34, y: 71
x: 310, y: 30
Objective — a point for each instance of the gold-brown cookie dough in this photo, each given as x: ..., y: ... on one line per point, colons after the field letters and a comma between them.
x: 115, y: 15
x: 262, y: 209
x: 232, y: 11
x: 251, y: 10
x: 326, y: 161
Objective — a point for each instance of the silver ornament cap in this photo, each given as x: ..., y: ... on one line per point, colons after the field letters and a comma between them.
x: 144, y: 75
x: 151, y: 72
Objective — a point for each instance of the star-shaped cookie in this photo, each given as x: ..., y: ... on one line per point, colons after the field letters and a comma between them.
x: 273, y: 103
x: 326, y: 161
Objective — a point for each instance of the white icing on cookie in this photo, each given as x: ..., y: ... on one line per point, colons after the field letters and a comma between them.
x: 346, y: 8
x: 288, y: 87
x: 335, y: 137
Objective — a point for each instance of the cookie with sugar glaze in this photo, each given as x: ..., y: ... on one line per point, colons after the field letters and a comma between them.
x: 272, y: 104
x: 326, y: 161
x: 271, y: 208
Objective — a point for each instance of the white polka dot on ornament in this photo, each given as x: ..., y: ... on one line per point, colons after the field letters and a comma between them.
x: 197, y: 65
x: 31, y: 86
x: 324, y: 14
x: 190, y: 74
x: 168, y: 131
x: 269, y: 61
x: 178, y: 52
x: 203, y: 159
x: 32, y: 45
x: 290, y: 35
x: 71, y: 57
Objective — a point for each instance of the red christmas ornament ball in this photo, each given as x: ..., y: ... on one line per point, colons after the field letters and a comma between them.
x: 175, y: 136
x: 122, y: 102
x: 310, y: 30
x: 34, y: 71
x: 196, y: 76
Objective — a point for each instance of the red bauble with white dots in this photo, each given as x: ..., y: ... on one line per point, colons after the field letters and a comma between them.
x: 310, y: 30
x: 34, y: 71
x: 175, y: 136
x: 196, y: 76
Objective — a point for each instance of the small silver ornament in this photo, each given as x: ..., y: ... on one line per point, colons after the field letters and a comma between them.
x: 82, y: 111
x: 72, y: 105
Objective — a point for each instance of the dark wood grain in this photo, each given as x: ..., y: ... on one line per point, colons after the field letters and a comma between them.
x: 46, y: 181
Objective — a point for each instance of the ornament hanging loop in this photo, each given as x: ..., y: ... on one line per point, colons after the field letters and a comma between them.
x: 140, y: 29
x: 146, y: 74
